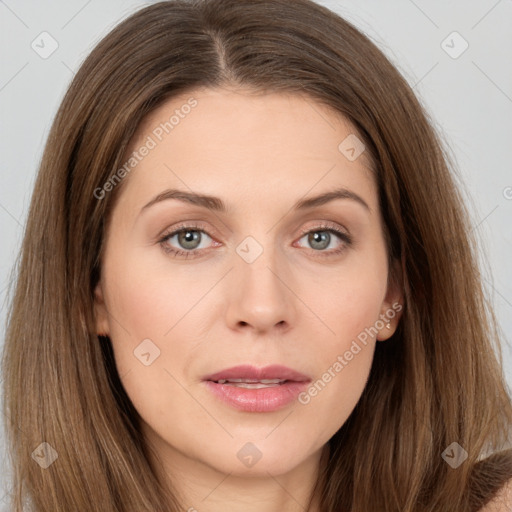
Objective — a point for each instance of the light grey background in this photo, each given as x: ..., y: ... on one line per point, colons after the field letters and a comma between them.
x: 469, y: 97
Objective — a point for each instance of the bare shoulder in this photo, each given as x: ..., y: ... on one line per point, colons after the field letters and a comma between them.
x: 502, y: 502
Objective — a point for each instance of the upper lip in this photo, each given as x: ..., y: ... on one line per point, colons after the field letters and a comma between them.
x: 274, y: 371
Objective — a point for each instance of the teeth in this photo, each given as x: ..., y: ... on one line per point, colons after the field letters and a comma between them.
x: 250, y: 385
x: 243, y: 382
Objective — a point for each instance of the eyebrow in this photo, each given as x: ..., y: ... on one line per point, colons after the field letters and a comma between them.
x: 216, y: 204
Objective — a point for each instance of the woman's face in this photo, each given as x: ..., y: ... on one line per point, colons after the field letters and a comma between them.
x: 248, y: 285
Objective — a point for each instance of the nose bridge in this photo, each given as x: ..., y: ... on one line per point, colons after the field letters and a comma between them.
x: 260, y: 297
x: 257, y: 265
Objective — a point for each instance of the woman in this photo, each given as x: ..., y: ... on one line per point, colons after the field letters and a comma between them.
x: 236, y: 203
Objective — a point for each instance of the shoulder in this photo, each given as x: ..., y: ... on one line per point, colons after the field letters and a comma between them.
x: 502, y: 501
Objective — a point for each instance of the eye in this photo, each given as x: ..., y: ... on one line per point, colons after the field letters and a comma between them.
x: 188, y: 240
x: 321, y: 238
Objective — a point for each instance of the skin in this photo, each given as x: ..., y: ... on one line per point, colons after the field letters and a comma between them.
x: 294, y: 305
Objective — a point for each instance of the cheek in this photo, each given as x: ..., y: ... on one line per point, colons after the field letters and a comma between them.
x: 147, y: 300
x: 348, y: 299
x: 350, y: 306
x: 343, y: 369
x: 142, y: 309
x: 147, y: 314
x: 335, y: 391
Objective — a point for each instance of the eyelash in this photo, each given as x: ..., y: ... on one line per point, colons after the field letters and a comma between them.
x: 324, y: 227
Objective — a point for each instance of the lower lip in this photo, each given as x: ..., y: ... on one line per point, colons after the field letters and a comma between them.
x: 267, y: 399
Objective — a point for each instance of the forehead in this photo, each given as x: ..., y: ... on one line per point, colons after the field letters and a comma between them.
x: 206, y: 138
x: 239, y: 113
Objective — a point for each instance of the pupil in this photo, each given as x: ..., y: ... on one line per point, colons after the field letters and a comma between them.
x: 319, y: 237
x: 189, y: 237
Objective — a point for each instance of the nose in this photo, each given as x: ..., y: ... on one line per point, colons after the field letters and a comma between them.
x: 260, y: 295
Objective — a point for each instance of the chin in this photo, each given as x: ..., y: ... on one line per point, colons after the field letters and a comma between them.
x: 256, y: 459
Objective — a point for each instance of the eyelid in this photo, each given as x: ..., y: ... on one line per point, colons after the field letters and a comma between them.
x: 327, y: 225
x: 188, y: 224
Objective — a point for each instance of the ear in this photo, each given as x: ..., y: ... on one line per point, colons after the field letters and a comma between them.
x: 100, y: 312
x: 392, y: 306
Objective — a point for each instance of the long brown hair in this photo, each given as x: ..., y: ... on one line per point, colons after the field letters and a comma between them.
x: 437, y: 381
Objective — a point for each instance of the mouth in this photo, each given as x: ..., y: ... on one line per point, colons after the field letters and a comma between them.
x: 252, y: 389
x: 251, y: 383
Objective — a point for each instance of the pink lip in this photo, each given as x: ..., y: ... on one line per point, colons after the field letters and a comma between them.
x: 274, y: 371
x: 266, y: 399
